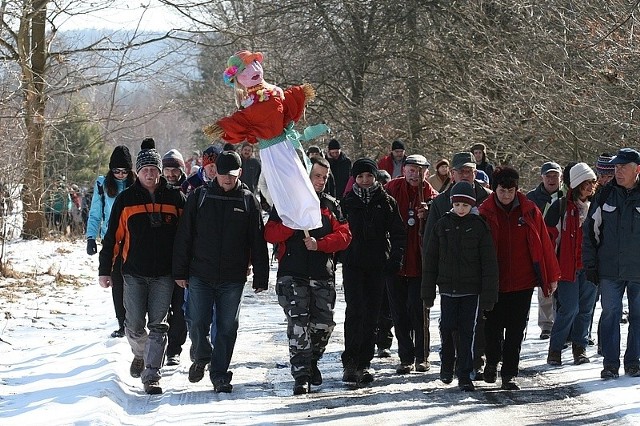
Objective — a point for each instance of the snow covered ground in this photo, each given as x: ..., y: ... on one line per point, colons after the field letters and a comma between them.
x: 59, y: 366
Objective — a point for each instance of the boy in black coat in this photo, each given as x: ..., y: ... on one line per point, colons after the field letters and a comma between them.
x: 461, y: 260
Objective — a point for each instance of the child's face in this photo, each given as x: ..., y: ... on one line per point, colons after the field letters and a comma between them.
x: 461, y: 209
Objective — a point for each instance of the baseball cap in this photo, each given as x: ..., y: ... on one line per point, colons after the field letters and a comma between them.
x: 550, y: 166
x: 228, y: 163
x: 462, y: 159
x: 626, y: 155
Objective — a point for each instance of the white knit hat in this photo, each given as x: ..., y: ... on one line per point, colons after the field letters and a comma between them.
x: 580, y: 173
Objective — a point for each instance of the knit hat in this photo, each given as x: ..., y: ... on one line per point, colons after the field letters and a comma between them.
x: 482, y: 176
x: 210, y: 155
x: 228, y: 163
x: 173, y: 158
x: 396, y: 145
x: 148, y: 156
x: 462, y: 192
x: 441, y: 162
x: 603, y: 167
x: 363, y: 165
x: 237, y: 63
x: 333, y: 144
x: 120, y: 158
x: 313, y: 149
x: 417, y: 159
x: 580, y: 173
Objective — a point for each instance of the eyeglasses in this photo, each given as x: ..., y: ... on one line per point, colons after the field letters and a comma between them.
x: 119, y: 171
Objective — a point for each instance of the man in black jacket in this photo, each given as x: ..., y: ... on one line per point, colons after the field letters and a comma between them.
x: 142, y: 227
x: 220, y: 233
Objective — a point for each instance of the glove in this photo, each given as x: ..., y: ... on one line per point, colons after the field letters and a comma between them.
x: 92, y: 248
x: 592, y: 276
x: 392, y: 267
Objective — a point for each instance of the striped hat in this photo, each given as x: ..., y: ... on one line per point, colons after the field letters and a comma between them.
x: 603, y: 167
x: 462, y: 192
x: 148, y: 156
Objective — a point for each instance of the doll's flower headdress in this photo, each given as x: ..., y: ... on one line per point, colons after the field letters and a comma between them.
x: 237, y: 63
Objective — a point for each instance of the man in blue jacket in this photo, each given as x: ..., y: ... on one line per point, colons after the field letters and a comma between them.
x: 610, y: 257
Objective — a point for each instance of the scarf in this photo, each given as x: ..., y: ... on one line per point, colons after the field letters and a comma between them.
x: 365, y: 194
x: 583, y: 209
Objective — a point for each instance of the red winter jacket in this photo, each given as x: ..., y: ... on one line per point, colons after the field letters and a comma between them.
x: 386, y: 163
x: 525, y: 252
x: 566, y: 234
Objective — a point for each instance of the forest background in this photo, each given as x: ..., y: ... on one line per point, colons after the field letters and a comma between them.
x: 533, y: 80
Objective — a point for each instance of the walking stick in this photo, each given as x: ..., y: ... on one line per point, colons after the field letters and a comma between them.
x: 425, y: 310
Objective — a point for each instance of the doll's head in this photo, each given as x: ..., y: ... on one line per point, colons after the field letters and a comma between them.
x: 244, y: 68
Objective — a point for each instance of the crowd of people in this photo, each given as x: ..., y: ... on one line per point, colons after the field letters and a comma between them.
x: 180, y: 239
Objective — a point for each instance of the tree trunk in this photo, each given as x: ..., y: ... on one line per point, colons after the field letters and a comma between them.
x: 32, y: 49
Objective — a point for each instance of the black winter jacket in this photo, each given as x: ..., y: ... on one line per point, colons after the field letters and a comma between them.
x: 219, y: 234
x: 377, y: 230
x: 461, y: 259
x: 142, y: 231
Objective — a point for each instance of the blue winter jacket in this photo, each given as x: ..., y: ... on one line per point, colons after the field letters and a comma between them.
x: 611, y: 234
x: 101, y: 208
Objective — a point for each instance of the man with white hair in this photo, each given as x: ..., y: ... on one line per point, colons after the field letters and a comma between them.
x: 610, y: 256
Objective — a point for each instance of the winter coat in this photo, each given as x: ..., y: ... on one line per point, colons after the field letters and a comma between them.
x: 142, y: 230
x: 525, y: 252
x: 612, y: 233
x: 294, y: 258
x: 101, y: 205
x: 341, y: 170
x: 194, y: 181
x: 442, y: 204
x: 407, y: 198
x: 542, y: 198
x: 377, y: 230
x: 386, y: 163
x: 461, y: 259
x: 566, y: 234
x: 220, y: 233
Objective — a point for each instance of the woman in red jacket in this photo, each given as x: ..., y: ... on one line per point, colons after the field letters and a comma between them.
x: 526, y: 260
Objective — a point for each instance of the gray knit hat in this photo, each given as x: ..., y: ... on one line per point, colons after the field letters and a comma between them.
x: 148, y: 156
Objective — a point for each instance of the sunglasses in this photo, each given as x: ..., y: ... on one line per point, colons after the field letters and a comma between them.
x: 119, y: 171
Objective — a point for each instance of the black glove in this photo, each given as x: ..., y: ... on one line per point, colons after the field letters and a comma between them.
x: 392, y: 267
x: 592, y: 276
x: 92, y: 247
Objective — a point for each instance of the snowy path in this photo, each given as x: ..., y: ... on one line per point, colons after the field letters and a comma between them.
x: 62, y: 368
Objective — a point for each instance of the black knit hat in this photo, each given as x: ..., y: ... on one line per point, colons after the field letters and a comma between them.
x: 148, y: 156
x: 120, y: 158
x: 462, y: 192
x: 333, y: 144
x: 363, y: 165
x: 396, y: 145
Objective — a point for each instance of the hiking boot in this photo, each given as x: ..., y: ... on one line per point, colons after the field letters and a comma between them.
x: 466, y: 386
x: 423, y: 366
x: 137, y: 367
x: 554, y: 358
x: 152, y: 388
x: 384, y: 353
x: 222, y: 384
x: 404, y: 368
x: 545, y: 334
x: 350, y: 374
x: 316, y: 376
x: 632, y: 371
x: 118, y: 333
x: 173, y: 359
x: 509, y: 383
x: 609, y: 373
x: 196, y: 371
x: 490, y: 373
x: 301, y: 385
x: 579, y: 354
x: 446, y: 377
x: 364, y: 376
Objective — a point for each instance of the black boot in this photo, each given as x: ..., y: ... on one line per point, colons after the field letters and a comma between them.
x: 301, y: 385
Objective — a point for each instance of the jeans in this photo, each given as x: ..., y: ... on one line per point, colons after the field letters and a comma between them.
x: 458, y: 315
x: 575, y: 305
x: 147, y: 296
x: 611, y: 300
x: 226, y: 296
